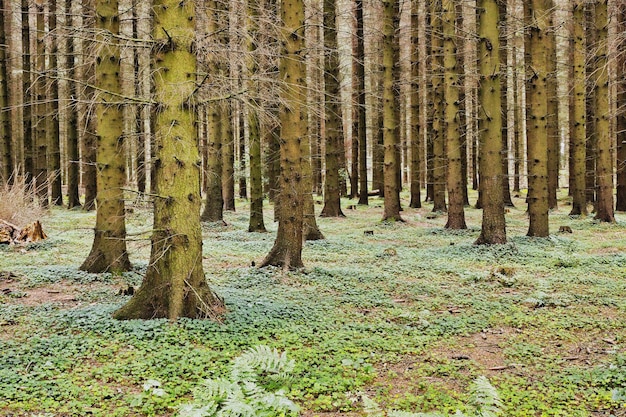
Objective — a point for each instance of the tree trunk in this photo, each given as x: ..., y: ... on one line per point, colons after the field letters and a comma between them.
x: 493, y: 229
x: 228, y: 158
x: 621, y: 119
x: 72, y: 137
x: 175, y: 285
x: 90, y: 181
x: 214, y: 203
x: 553, y: 119
x: 40, y: 139
x: 108, y: 252
x: 506, y: 186
x: 52, y: 125
x: 537, y: 19
x: 578, y: 111
x: 604, y: 164
x: 6, y: 146
x: 287, y: 249
x: 391, y: 125
x: 361, y: 133
x: 438, y: 137
x: 416, y: 92
x: 27, y: 101
x: 456, y: 213
x: 332, y: 99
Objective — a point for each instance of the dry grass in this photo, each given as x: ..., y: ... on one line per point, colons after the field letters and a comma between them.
x: 18, y: 202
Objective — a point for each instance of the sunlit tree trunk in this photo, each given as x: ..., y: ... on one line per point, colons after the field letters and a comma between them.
x: 108, y: 252
x: 604, y: 163
x: 456, y: 213
x: 391, y: 125
x: 493, y: 229
x: 333, y: 127
x: 287, y: 249
x: 578, y: 111
x: 6, y: 145
x: 175, y: 285
x: 537, y: 20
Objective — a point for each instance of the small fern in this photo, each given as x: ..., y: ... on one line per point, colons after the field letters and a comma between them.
x: 484, y: 401
x: 255, y: 388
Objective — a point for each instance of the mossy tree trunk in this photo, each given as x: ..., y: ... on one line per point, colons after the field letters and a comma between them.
x: 604, y: 163
x: 578, y: 111
x: 108, y: 252
x: 6, y: 145
x: 175, y: 285
x: 332, y: 99
x: 493, y: 229
x: 390, y: 111
x: 456, y: 212
x: 287, y: 249
x: 537, y: 20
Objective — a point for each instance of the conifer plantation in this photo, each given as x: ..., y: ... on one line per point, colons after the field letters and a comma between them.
x: 320, y: 207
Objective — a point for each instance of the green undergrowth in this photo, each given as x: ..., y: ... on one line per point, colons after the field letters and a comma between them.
x: 408, y: 313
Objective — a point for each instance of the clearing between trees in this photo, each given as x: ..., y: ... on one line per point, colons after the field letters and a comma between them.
x: 407, y: 314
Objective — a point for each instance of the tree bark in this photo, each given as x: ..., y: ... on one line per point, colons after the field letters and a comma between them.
x: 6, y: 145
x: 456, y: 213
x: 493, y: 229
x: 175, y: 285
x: 89, y: 162
x: 108, y: 252
x: 332, y: 99
x: 578, y: 111
x: 415, y: 98
x: 537, y: 20
x: 287, y: 249
x: 72, y: 136
x: 621, y: 118
x: 438, y: 126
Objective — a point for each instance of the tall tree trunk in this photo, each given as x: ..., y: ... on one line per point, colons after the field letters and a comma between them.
x: 287, y: 249
x: 578, y: 111
x: 310, y: 229
x: 537, y: 20
x: 621, y: 118
x: 506, y: 186
x: 333, y: 131
x: 27, y: 101
x: 241, y: 155
x: 72, y: 137
x: 451, y: 79
x: 214, y: 204
x: 228, y: 158
x: 256, y: 222
x: 493, y: 229
x: 438, y: 136
x: 108, y: 252
x: 361, y: 116
x: 41, y: 139
x: 6, y: 146
x: 175, y: 285
x: 415, y: 98
x: 591, y: 128
x: 52, y: 125
x: 553, y: 116
x: 604, y: 164
x: 90, y: 139
x: 391, y: 125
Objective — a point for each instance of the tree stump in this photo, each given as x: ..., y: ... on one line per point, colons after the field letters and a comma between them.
x: 11, y: 234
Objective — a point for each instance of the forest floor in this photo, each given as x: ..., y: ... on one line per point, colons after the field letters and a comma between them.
x: 409, y: 314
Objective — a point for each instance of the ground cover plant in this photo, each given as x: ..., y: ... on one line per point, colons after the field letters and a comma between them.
x: 407, y: 315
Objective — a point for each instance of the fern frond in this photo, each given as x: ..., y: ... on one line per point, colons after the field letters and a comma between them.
x: 236, y: 407
x: 371, y: 407
x: 214, y: 390
x: 190, y: 410
x: 261, y: 359
x: 485, y: 398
